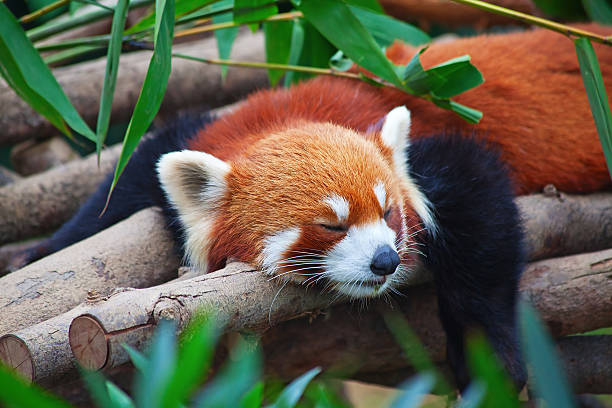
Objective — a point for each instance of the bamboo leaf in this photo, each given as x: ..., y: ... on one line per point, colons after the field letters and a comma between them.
x: 246, y: 11
x: 540, y: 354
x: 335, y: 20
x: 225, y: 38
x: 296, y: 53
x: 467, y: 113
x: 182, y: 7
x: 23, y: 395
x: 290, y: 396
x: 151, y: 382
x: 110, y: 74
x: 153, y: 88
x: 194, y: 358
x: 414, y: 390
x: 598, y: 10
x: 486, y: 368
x: 254, y: 397
x: 454, y: 77
x: 278, y: 46
x: 233, y: 382
x: 373, y: 5
x: 386, y: 29
x: 339, y: 62
x: 24, y: 70
x: 119, y: 398
x: 596, y: 93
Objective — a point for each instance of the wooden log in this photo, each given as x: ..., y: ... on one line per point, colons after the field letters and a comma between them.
x: 587, y: 364
x: 31, y: 157
x: 449, y: 14
x: 7, y: 176
x: 82, y: 83
x: 247, y: 301
x: 9, y: 252
x: 36, y: 205
x: 344, y: 336
x: 143, y: 256
x: 557, y: 224
x: 586, y: 211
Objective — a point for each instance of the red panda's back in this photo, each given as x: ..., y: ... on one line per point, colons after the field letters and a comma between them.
x: 533, y: 100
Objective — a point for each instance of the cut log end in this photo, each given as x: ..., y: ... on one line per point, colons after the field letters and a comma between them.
x: 88, y: 342
x: 14, y: 353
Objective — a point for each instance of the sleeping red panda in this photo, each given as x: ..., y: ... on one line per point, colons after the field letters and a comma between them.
x: 321, y: 183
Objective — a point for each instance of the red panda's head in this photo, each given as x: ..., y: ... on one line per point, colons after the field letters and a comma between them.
x: 310, y: 202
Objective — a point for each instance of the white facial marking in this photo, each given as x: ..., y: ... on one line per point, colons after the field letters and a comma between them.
x: 339, y: 205
x: 347, y: 264
x: 381, y: 194
x: 274, y: 248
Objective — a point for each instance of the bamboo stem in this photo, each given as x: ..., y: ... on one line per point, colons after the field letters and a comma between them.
x: 541, y: 22
x: 42, y: 11
x: 219, y: 26
x: 266, y: 65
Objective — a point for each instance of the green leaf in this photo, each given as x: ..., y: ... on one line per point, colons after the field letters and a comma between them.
x: 296, y: 53
x: 486, y: 368
x: 473, y: 395
x: 254, y: 397
x: 237, y: 377
x: 414, y: 350
x: 225, y: 38
x: 550, y: 383
x: 110, y: 74
x: 596, y: 93
x: 278, y: 46
x: 414, y: 76
x: 24, y: 70
x: 290, y: 396
x: 325, y: 394
x: 339, y: 62
x: 386, y: 29
x: 194, y: 358
x: 96, y: 383
x: 373, y: 5
x: 118, y: 398
x: 246, y: 11
x: 182, y: 7
x: 24, y: 395
x: 454, y: 77
x: 598, y: 10
x: 467, y: 113
x: 335, y: 20
x: 153, y: 88
x: 138, y: 359
x: 152, y: 381
x: 562, y: 8
x: 413, y: 392
x: 208, y: 11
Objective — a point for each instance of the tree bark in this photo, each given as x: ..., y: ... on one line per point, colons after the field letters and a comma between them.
x: 347, y: 336
x: 137, y: 253
x: 82, y: 83
x: 32, y: 156
x: 38, y: 204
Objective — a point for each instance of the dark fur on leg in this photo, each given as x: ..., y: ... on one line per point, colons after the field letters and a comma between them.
x: 137, y: 188
x: 478, y: 254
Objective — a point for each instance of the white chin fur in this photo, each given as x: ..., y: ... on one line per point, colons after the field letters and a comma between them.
x: 347, y: 265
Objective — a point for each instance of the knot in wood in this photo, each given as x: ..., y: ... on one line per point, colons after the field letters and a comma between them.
x: 93, y: 296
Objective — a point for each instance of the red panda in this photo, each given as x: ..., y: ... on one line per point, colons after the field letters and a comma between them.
x: 336, y: 182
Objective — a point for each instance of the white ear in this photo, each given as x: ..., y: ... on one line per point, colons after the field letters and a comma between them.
x: 395, y: 135
x: 194, y: 183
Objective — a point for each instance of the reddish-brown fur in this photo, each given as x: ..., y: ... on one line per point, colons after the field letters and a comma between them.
x: 534, y: 104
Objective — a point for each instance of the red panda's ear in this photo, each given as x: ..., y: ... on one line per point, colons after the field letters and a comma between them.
x: 195, y: 183
x: 192, y: 180
x: 395, y: 135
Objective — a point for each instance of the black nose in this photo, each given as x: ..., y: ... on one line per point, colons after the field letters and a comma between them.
x: 384, y: 261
